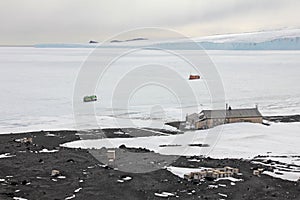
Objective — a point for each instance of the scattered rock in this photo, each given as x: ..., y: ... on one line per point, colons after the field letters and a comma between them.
x: 24, y: 140
x: 55, y: 173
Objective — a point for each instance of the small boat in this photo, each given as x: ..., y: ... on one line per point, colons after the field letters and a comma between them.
x: 90, y: 98
x: 193, y: 77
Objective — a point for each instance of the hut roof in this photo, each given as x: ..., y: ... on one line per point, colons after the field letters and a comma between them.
x: 233, y: 113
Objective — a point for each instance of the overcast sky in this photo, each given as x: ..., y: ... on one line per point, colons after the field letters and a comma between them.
x: 48, y: 21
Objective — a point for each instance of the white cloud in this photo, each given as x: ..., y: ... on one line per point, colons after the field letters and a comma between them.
x: 34, y: 21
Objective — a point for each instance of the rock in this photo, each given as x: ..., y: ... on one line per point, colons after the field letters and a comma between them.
x: 256, y: 172
x: 24, y: 182
x: 55, y: 173
x: 24, y: 140
x: 71, y: 160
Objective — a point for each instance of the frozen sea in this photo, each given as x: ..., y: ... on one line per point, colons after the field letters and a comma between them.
x: 37, y: 86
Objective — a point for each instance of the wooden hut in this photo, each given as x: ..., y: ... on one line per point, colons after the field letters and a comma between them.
x: 211, y: 118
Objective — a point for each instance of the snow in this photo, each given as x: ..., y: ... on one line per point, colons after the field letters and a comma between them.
x: 181, y: 171
x: 120, y: 133
x: 48, y: 151
x: 50, y: 135
x: 161, y: 195
x: 19, y: 198
x: 164, y: 194
x: 77, y: 190
x: 286, y: 39
x: 193, y: 160
x: 285, y: 175
x: 43, y: 78
x: 283, y: 39
x: 70, y: 197
x: 293, y: 160
x: 127, y: 178
x: 213, y: 186
x: 168, y: 193
x: 222, y: 195
x: 283, y: 170
x: 239, y: 140
x: 277, y: 44
x: 6, y: 155
x: 36, y: 79
x: 261, y: 36
x: 230, y: 179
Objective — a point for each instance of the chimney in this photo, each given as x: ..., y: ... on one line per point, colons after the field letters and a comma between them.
x: 256, y: 106
x: 226, y: 106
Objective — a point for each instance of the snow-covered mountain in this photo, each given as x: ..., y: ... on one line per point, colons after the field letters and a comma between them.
x: 252, y: 37
x: 284, y: 39
x: 287, y: 39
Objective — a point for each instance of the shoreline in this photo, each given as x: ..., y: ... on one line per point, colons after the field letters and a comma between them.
x: 271, y: 118
x: 27, y: 174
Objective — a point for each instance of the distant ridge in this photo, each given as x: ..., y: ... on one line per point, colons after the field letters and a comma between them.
x: 129, y: 40
x: 285, y: 39
x: 277, y: 44
x: 93, y: 42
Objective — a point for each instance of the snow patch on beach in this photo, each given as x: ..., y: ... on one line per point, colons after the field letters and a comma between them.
x: 239, y: 140
x: 181, y: 171
x: 70, y: 197
x: 48, y: 151
x: 6, y: 155
x: 285, y: 175
x: 19, y: 198
x: 164, y: 194
x: 232, y: 179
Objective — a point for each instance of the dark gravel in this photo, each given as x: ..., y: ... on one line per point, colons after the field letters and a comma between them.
x: 30, y: 172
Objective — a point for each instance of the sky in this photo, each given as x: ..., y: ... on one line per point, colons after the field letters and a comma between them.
x: 78, y: 21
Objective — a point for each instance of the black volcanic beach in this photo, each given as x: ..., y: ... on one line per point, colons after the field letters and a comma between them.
x: 27, y: 174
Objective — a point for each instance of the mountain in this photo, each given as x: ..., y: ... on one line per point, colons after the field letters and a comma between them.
x: 129, y: 40
x: 284, y: 39
x: 254, y: 37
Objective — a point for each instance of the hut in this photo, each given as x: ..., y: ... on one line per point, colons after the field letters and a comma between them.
x: 212, y: 173
x: 211, y: 118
